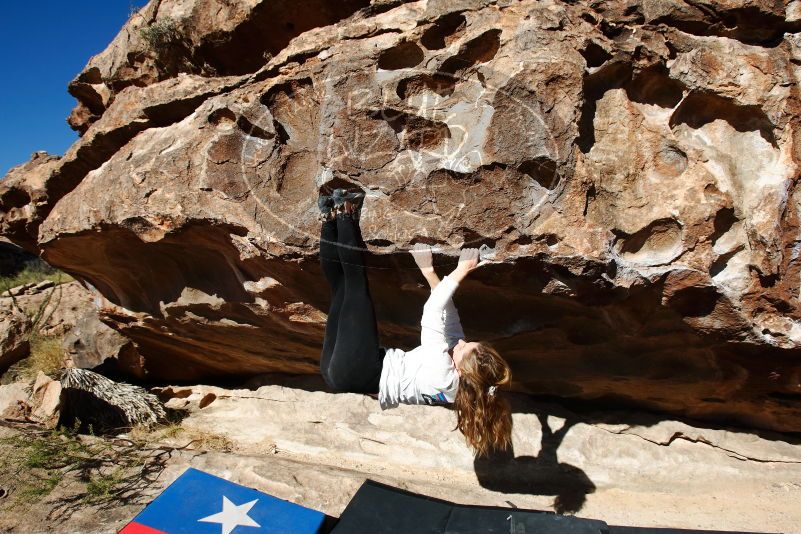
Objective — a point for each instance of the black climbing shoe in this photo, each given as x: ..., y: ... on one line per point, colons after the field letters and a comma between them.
x: 326, y: 205
x: 340, y: 196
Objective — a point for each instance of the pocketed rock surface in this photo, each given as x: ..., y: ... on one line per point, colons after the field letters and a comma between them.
x: 633, y: 163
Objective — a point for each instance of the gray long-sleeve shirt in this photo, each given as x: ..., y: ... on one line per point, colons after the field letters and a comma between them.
x: 426, y: 374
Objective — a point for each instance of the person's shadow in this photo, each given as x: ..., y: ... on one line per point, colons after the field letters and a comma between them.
x: 537, y: 475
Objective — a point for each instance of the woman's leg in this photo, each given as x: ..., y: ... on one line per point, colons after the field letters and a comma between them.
x: 356, y: 361
x: 329, y: 262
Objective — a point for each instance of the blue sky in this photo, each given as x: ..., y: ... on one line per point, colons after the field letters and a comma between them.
x: 43, y: 46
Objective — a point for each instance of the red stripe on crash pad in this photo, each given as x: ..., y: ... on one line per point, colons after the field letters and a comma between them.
x: 138, y: 528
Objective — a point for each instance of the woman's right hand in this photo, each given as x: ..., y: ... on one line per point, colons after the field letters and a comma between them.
x: 468, y: 260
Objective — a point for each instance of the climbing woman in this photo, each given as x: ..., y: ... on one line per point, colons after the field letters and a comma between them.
x: 444, y: 369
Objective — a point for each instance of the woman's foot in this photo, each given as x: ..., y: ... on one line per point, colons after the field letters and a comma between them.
x: 326, y: 205
x: 347, y: 202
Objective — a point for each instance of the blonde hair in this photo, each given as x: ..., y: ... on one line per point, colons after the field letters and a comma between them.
x: 484, y: 419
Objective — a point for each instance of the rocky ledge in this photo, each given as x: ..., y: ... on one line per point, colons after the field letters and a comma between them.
x: 291, y: 438
x: 634, y: 163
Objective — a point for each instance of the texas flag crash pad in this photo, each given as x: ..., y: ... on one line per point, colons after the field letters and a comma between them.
x: 200, y: 503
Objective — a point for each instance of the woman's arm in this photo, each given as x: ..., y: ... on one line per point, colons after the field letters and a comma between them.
x: 440, y: 319
x: 431, y: 278
x: 468, y: 260
x: 433, y: 325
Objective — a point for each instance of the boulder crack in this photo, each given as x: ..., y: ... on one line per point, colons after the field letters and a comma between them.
x: 679, y: 435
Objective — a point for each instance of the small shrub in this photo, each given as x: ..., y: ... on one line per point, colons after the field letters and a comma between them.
x: 40, y: 487
x: 160, y: 34
x: 102, y: 487
x: 133, y: 10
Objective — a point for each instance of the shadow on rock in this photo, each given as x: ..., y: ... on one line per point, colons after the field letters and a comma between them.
x: 537, y: 475
x: 313, y: 382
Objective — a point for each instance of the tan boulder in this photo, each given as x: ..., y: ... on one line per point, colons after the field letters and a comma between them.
x: 633, y: 163
x: 300, y: 442
x: 91, y: 343
x: 45, y: 401
x: 14, y: 329
x: 14, y: 401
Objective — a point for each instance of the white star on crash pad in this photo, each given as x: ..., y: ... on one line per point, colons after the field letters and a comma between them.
x: 232, y: 516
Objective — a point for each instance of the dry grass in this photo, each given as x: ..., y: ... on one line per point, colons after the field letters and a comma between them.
x: 71, y: 471
x: 176, y: 435
x: 34, y: 272
x: 47, y: 355
x: 155, y: 433
x: 35, y: 462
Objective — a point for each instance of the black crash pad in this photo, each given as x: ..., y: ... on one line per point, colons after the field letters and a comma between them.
x: 655, y: 530
x: 381, y: 509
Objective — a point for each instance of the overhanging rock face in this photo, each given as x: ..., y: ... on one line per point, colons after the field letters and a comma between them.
x: 634, y: 164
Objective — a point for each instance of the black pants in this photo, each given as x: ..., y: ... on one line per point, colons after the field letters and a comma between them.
x: 352, y: 358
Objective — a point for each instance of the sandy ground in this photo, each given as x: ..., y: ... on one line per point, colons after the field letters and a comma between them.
x: 316, y: 449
